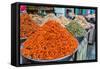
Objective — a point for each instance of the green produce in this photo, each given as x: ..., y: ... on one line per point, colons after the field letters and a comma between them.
x: 76, y: 29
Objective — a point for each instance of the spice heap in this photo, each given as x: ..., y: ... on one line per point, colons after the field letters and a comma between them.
x: 64, y: 20
x: 36, y: 18
x: 27, y: 25
x: 82, y: 21
x: 50, y: 41
x: 76, y: 29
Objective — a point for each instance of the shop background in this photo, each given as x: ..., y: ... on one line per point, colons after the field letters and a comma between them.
x: 5, y: 36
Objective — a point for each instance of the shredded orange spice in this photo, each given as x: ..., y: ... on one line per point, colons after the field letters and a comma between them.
x: 27, y: 25
x: 51, y: 41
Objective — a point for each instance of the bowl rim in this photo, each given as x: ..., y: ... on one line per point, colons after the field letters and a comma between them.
x: 57, y: 59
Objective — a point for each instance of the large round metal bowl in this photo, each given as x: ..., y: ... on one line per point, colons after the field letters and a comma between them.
x: 52, y: 59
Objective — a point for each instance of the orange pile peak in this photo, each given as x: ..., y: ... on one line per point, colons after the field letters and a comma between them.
x: 51, y: 41
x: 27, y: 25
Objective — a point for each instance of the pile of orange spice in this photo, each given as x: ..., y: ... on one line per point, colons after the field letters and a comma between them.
x: 27, y: 25
x: 51, y: 41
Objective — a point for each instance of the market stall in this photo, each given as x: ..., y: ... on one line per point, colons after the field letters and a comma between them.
x: 40, y: 20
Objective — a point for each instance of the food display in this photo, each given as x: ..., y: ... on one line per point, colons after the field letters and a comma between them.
x: 64, y: 20
x: 27, y: 25
x: 76, y: 29
x: 51, y: 41
x: 52, y: 16
x: 46, y: 34
x: 38, y: 19
x: 82, y: 21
